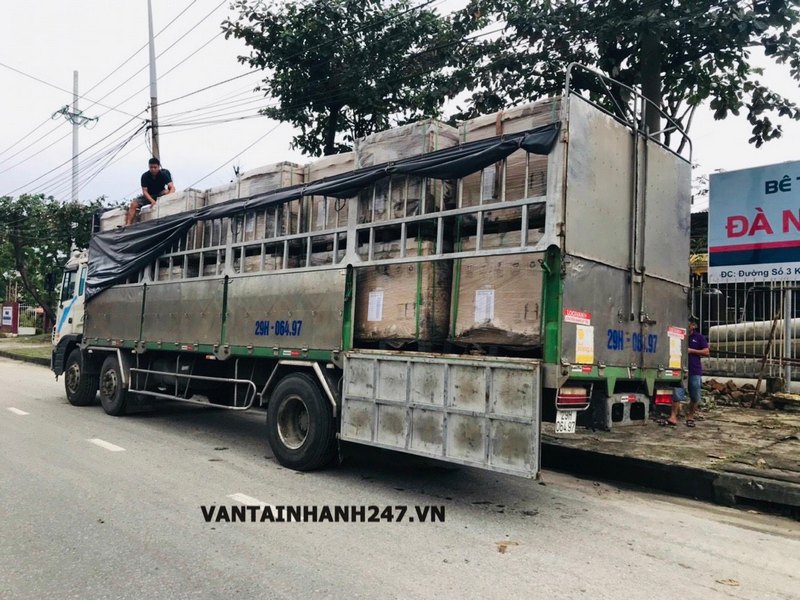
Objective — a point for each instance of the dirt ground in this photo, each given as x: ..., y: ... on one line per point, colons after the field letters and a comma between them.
x: 763, y: 443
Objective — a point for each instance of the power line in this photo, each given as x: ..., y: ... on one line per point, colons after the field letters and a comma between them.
x: 62, y: 89
x: 93, y: 103
x: 69, y: 160
x: 235, y: 156
x: 132, y: 56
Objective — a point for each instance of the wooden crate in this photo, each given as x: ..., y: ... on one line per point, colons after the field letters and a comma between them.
x: 488, y: 189
x: 409, y: 140
x: 327, y: 213
x: 403, y: 302
x: 407, y: 196
x: 497, y: 299
x: 270, y: 178
x: 111, y: 219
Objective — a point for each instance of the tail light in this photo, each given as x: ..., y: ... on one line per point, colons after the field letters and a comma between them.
x: 575, y: 398
x: 663, y: 397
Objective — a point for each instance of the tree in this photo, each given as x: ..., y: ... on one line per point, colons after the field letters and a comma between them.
x: 681, y: 53
x: 342, y: 69
x: 37, y: 234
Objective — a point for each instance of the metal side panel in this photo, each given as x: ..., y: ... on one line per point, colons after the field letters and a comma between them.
x: 667, y: 207
x: 481, y: 412
x: 599, y: 185
x: 595, y: 327
x: 667, y: 307
x: 115, y: 314
x: 185, y: 311
x: 298, y: 310
x: 594, y: 307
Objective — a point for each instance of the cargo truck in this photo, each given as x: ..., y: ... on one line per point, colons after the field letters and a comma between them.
x: 437, y: 291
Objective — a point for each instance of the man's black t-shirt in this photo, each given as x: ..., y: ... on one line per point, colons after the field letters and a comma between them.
x: 155, y: 185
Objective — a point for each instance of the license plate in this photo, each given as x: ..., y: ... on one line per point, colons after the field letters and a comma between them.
x: 565, y: 421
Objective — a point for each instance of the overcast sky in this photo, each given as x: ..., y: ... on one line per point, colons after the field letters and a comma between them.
x: 101, y: 39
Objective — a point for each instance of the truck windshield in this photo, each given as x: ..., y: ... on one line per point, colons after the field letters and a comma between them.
x: 68, y: 286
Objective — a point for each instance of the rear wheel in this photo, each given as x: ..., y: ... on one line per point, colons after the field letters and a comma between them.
x: 113, y: 395
x: 81, y: 388
x: 300, y: 424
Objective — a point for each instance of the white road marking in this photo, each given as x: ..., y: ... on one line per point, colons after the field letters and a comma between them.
x: 248, y: 500
x: 107, y: 445
x: 17, y: 411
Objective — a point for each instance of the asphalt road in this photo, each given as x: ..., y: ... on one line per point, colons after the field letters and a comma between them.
x: 121, y: 517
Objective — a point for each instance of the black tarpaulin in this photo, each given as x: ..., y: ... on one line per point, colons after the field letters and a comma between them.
x: 115, y: 255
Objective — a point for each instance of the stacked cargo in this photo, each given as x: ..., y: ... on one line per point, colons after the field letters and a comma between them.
x: 492, y: 185
x: 402, y: 196
x: 403, y: 302
x: 327, y: 213
x: 497, y: 299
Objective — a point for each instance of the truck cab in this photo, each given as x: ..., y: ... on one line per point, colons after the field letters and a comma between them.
x: 68, y: 330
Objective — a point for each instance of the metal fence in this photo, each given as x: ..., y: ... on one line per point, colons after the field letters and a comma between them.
x: 31, y: 319
x: 752, y: 328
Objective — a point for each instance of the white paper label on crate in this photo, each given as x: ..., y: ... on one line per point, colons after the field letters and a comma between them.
x: 487, y: 190
x: 674, y: 352
x: 484, y: 305
x: 584, y: 344
x: 578, y: 317
x: 375, y: 310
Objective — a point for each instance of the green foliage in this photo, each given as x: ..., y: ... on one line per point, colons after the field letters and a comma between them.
x: 682, y: 53
x: 342, y: 69
x: 37, y: 234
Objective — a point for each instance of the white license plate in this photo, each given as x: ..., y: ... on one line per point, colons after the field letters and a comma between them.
x: 565, y: 421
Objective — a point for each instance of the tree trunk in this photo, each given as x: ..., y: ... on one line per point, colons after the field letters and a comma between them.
x: 330, y: 130
x: 651, y: 62
x: 19, y: 264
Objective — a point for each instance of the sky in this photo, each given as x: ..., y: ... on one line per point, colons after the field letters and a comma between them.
x: 105, y: 41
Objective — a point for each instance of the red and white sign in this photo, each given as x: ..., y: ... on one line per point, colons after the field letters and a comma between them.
x: 577, y: 316
x: 677, y: 332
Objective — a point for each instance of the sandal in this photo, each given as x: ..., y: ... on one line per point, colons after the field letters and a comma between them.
x: 666, y: 423
x: 690, y: 422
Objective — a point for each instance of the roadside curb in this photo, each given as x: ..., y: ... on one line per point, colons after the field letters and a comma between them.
x: 29, y: 359
x: 720, y: 487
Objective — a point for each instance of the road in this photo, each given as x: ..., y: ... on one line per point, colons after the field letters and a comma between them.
x: 121, y: 517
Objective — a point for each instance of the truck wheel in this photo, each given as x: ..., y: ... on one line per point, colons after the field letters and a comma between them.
x: 81, y: 387
x: 300, y: 424
x: 113, y: 395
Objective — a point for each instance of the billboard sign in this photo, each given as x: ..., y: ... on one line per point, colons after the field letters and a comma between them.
x: 8, y: 316
x: 754, y: 224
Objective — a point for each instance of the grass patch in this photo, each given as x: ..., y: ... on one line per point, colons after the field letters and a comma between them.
x: 42, y: 338
x: 43, y: 352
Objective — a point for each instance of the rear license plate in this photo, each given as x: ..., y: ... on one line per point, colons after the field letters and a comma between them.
x: 565, y: 421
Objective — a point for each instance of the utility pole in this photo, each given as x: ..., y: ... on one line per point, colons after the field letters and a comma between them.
x: 74, y: 116
x: 74, y: 137
x: 153, y: 90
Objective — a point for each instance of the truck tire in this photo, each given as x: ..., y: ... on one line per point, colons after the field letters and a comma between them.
x: 300, y: 424
x: 81, y: 388
x: 113, y: 395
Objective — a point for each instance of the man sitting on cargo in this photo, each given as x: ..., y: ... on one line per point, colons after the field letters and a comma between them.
x: 156, y: 182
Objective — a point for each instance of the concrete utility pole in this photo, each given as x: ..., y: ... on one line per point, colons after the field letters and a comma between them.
x: 153, y: 89
x: 77, y: 119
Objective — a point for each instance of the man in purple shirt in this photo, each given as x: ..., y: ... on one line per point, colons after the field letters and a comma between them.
x: 698, y: 347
